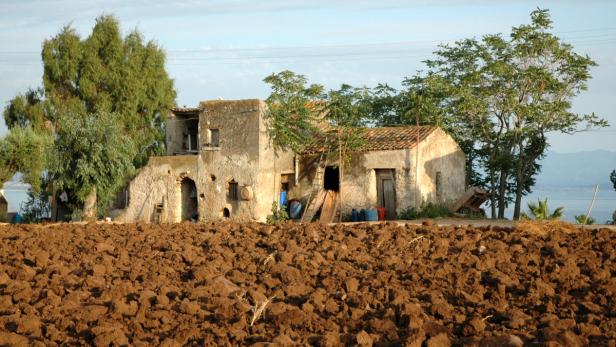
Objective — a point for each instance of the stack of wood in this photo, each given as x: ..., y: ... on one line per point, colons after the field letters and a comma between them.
x: 470, y: 201
x: 327, y: 202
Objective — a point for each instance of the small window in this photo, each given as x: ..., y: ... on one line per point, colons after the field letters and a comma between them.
x: 214, y: 137
x: 439, y: 185
x: 234, y: 191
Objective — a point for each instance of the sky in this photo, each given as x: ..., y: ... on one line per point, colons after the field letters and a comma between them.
x: 224, y: 49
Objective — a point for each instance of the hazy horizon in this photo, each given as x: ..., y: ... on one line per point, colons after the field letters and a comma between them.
x: 225, y: 48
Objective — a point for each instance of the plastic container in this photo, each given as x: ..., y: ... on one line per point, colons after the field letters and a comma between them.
x: 295, y: 209
x: 381, y: 211
x: 362, y: 215
x: 372, y: 215
x: 354, y: 215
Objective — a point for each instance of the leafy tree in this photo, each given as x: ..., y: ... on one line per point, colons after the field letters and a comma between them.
x: 91, y: 158
x: 540, y: 211
x: 499, y: 97
x: 581, y: 219
x: 294, y: 110
x: 300, y: 116
x: 86, y: 78
x: 613, y: 178
x: 24, y: 150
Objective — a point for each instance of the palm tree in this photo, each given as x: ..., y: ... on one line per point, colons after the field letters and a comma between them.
x: 581, y: 219
x: 540, y: 211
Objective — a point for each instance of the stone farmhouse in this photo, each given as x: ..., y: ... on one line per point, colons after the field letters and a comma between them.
x: 220, y: 165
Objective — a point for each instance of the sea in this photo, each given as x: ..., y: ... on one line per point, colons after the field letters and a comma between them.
x: 576, y: 200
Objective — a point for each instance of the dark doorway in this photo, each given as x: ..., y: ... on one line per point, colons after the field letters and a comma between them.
x: 331, y: 178
x: 386, y: 191
x: 190, y: 209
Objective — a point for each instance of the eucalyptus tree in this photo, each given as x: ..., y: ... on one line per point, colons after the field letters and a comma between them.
x: 86, y: 78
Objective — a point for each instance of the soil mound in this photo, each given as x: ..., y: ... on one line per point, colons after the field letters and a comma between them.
x: 253, y: 284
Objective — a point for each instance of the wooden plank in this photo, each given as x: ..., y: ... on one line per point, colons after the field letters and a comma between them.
x: 313, y: 206
x: 328, y: 211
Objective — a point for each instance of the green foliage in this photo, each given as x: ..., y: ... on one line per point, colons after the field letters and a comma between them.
x: 24, y: 150
x: 37, y: 208
x: 427, y: 210
x: 498, y: 97
x: 278, y: 214
x: 92, y: 152
x: 613, y: 178
x: 85, y: 81
x: 540, y: 211
x: 581, y: 219
x: 294, y: 110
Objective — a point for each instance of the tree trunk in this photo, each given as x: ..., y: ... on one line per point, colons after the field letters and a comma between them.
x: 89, y: 206
x: 502, y: 190
x: 521, y: 181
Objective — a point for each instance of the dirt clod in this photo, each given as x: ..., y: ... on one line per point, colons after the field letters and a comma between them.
x: 294, y: 284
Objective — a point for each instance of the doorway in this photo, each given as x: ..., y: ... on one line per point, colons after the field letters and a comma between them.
x: 190, y: 209
x: 331, y: 178
x: 386, y: 191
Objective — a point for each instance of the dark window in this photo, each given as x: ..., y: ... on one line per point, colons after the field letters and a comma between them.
x: 191, y: 136
x: 331, y: 178
x: 234, y: 193
x: 214, y: 137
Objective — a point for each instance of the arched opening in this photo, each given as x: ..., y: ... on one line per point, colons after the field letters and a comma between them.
x: 226, y: 213
x: 190, y: 209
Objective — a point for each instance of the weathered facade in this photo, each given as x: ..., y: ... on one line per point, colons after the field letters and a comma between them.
x: 387, y: 172
x: 226, y: 170
x: 220, y: 165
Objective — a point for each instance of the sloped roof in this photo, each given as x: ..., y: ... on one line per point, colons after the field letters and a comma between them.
x: 387, y: 138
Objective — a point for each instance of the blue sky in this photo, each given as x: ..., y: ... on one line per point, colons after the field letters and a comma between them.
x: 225, y: 48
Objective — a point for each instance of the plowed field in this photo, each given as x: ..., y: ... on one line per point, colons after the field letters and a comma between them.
x: 245, y: 284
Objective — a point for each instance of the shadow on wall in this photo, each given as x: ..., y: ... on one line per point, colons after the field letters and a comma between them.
x: 447, y: 177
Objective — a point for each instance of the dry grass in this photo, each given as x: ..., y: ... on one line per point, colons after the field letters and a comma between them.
x: 259, y: 309
x: 546, y: 227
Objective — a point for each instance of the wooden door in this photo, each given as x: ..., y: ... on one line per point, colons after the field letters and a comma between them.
x: 386, y: 191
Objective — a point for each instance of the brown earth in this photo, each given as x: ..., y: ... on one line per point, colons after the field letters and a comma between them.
x: 195, y: 284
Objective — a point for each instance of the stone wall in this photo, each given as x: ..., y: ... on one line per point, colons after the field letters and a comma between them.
x: 159, y: 183
x: 437, y: 153
x: 243, y: 155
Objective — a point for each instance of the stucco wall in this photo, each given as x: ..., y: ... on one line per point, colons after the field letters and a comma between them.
x: 437, y: 153
x: 244, y: 155
x: 159, y: 182
x: 236, y: 158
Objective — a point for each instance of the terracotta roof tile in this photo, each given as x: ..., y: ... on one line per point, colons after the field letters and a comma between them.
x: 388, y: 138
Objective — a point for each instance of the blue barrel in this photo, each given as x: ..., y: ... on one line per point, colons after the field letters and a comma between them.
x: 295, y: 209
x: 362, y: 215
x: 283, y: 198
x: 372, y: 215
x: 354, y: 215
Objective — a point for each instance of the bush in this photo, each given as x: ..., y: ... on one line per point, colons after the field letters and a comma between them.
x: 427, y: 210
x: 278, y: 214
x: 581, y: 219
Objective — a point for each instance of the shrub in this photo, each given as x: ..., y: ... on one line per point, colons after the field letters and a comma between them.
x: 581, y: 219
x: 427, y: 210
x: 278, y: 214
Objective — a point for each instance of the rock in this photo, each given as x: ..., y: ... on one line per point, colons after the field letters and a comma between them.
x: 114, y: 337
x: 104, y: 247
x: 474, y: 327
x: 12, y: 339
x: 330, y: 339
x: 440, y: 340
x: 189, y: 307
x: 501, y: 341
x: 363, y: 339
x: 352, y: 284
